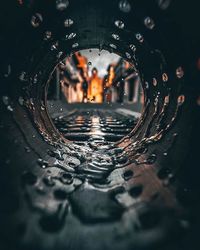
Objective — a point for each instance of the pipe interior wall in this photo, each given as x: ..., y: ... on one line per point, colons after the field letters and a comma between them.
x: 141, y: 192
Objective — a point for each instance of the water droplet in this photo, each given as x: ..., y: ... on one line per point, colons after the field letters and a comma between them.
x: 6, y: 100
x: 146, y: 85
x: 124, y: 6
x: 151, y: 159
x: 113, y: 46
x: 49, y: 181
x: 42, y: 163
x: 164, y: 77
x: 179, y: 72
x: 8, y: 72
x: 136, y: 191
x: 10, y: 108
x: 132, y: 47
x: 139, y: 37
x: 42, y: 108
x: 62, y: 4
x: 128, y: 55
x: 128, y: 175
x: 68, y: 22
x: 47, y: 35
x: 120, y: 24
x: 54, y: 46
x: 22, y: 76
x: 181, y: 99
x: 70, y: 36
x: 166, y: 100
x: 60, y: 53
x: 66, y: 178
x: 36, y: 20
x: 149, y: 23
x: 115, y: 36
x: 154, y: 82
x: 163, y: 4
x: 75, y: 45
x: 57, y: 154
x: 21, y: 100
x: 27, y: 149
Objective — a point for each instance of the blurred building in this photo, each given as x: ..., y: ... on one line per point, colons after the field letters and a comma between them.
x: 122, y: 83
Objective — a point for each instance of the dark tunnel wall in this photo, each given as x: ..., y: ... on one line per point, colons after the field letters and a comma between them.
x: 161, y: 39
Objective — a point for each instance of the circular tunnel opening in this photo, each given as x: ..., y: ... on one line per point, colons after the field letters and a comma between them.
x: 96, y: 95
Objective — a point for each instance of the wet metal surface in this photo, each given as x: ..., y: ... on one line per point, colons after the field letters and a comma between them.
x: 102, y: 125
x: 89, y: 193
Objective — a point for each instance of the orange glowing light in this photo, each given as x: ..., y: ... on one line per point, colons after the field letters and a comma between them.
x: 95, y: 90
